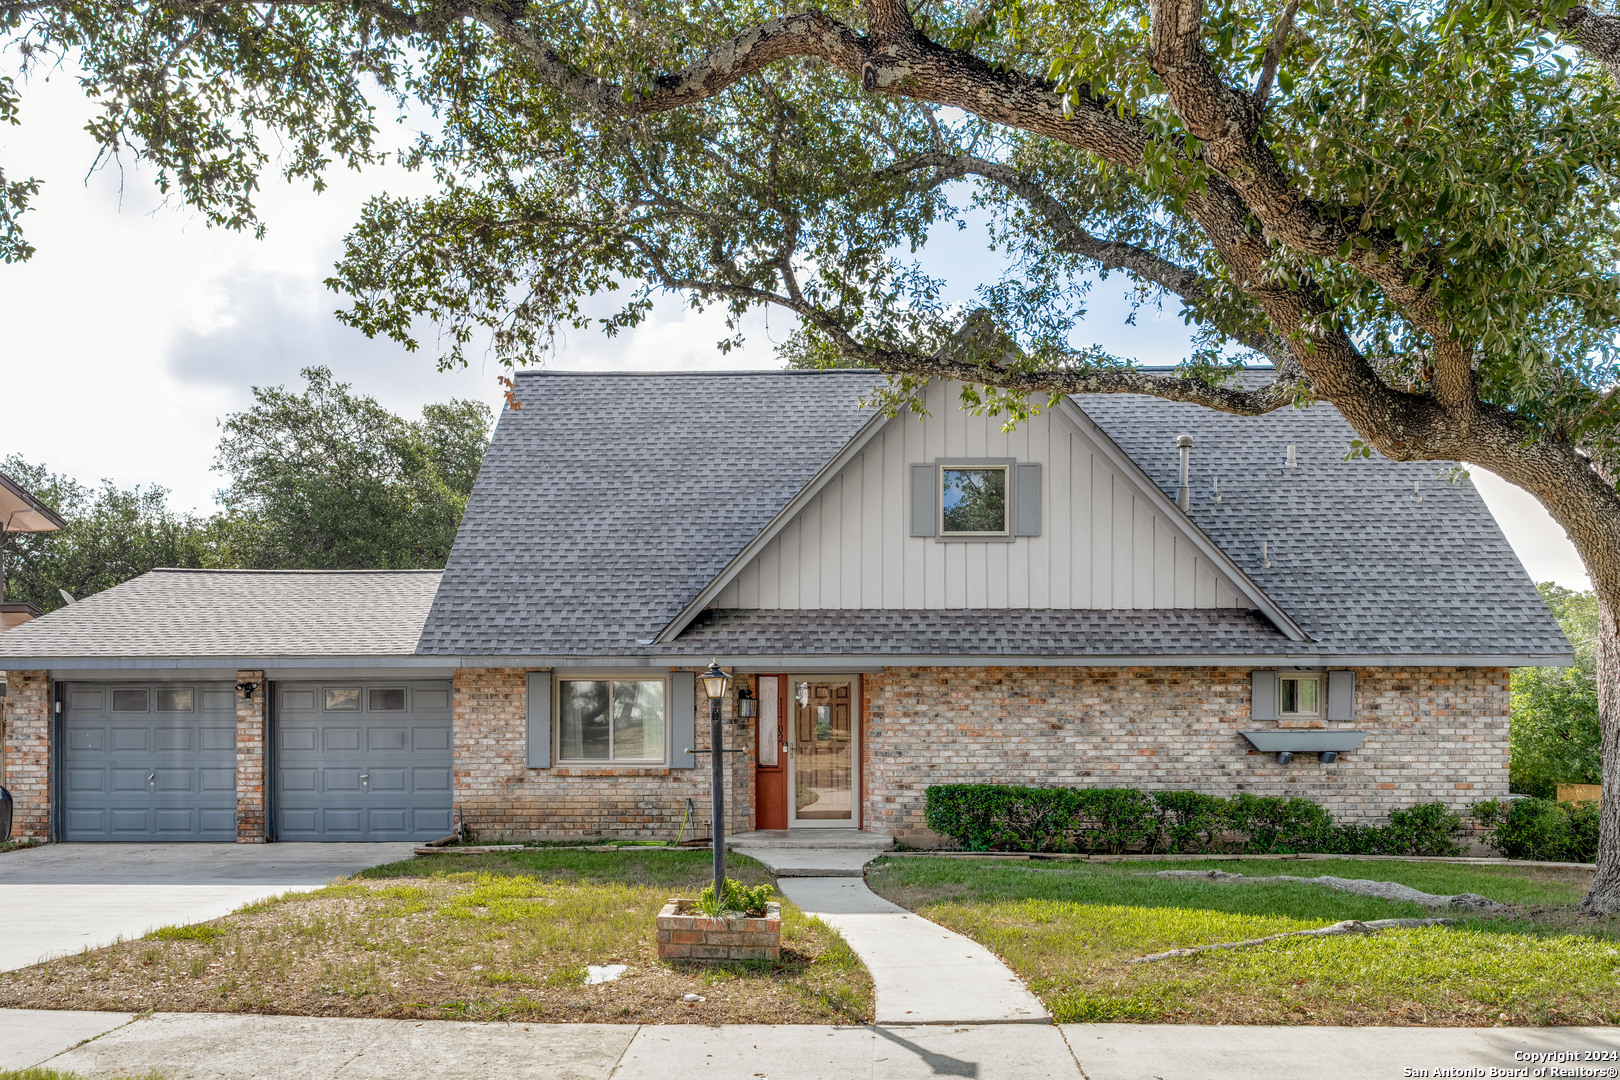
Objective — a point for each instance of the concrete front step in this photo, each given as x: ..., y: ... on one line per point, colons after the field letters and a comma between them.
x: 812, y: 852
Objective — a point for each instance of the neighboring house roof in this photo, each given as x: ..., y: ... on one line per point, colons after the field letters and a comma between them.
x: 1360, y: 564
x: 21, y: 512
x: 609, y: 500
x: 180, y: 614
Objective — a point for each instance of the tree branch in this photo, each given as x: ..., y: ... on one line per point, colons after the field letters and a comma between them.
x: 1597, y: 35
x: 1349, y: 926
x: 1273, y: 57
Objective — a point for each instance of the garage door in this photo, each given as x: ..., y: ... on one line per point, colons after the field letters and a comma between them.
x: 149, y: 761
x: 362, y: 761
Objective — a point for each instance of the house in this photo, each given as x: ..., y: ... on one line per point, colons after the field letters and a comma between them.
x: 904, y: 601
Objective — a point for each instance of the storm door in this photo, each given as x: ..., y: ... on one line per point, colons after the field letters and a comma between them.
x: 823, y: 752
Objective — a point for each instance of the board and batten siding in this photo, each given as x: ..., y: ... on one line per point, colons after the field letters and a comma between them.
x: 1102, y: 544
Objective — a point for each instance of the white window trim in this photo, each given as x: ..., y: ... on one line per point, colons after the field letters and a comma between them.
x: 1006, y: 467
x: 557, y: 680
x: 1319, y: 678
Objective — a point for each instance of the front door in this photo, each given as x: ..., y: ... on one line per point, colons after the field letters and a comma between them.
x: 823, y: 740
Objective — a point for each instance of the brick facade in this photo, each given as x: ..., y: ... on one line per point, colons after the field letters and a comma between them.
x: 1434, y: 735
x: 500, y: 797
x: 250, y: 760
x: 28, y: 753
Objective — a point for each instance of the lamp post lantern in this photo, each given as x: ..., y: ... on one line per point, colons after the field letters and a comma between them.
x: 714, y: 684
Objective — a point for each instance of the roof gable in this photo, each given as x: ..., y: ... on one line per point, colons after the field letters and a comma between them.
x: 609, y: 500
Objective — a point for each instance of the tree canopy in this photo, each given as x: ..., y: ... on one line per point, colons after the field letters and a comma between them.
x: 319, y: 479
x: 1555, y: 734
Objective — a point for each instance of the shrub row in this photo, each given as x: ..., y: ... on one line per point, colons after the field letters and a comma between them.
x: 995, y: 817
x: 1541, y: 829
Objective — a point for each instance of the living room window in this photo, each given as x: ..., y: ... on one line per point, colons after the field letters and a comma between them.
x: 973, y: 500
x: 1299, y: 696
x: 612, y: 720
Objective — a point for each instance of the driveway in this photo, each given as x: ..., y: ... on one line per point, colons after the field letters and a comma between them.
x: 63, y: 898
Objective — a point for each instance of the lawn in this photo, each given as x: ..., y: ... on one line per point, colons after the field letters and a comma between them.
x: 1068, y: 929
x: 484, y: 937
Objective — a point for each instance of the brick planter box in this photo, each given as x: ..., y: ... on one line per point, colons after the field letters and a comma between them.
x: 686, y: 935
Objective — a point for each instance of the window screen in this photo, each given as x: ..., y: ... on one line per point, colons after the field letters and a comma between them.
x: 973, y: 501
x: 386, y: 699
x: 611, y: 719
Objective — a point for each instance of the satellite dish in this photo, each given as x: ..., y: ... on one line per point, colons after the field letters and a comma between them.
x: 67, y: 596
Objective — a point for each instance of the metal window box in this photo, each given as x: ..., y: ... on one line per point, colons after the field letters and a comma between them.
x: 1285, y: 743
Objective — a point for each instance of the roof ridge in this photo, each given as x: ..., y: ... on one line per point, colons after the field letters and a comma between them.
x: 245, y: 570
x: 654, y: 373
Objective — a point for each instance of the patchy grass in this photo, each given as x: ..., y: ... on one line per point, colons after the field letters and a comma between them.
x: 1068, y: 929
x: 475, y: 937
x: 16, y: 845
x: 54, y: 1074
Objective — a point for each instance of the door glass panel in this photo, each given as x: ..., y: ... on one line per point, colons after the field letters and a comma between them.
x: 822, y: 752
x: 769, y: 736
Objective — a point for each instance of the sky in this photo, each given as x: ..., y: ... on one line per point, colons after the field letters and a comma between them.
x: 136, y: 328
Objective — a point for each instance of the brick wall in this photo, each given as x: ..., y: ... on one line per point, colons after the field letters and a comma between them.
x: 250, y: 729
x: 28, y: 753
x: 1435, y: 734
x: 500, y: 796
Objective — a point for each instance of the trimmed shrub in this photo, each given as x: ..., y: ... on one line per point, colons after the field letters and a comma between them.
x: 1425, y: 829
x: 1000, y: 817
x: 1193, y: 822
x: 1540, y: 829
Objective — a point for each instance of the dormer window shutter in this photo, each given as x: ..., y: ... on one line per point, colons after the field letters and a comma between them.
x: 1262, y: 695
x: 1026, y: 505
x: 924, y: 500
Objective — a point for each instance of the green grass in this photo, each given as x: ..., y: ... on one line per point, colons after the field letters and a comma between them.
x: 1068, y: 929
x: 16, y: 845
x: 505, y: 936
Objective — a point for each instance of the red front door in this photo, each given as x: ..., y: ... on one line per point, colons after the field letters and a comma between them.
x: 770, y: 756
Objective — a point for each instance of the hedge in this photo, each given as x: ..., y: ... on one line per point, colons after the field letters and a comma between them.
x: 997, y: 817
x: 1540, y: 829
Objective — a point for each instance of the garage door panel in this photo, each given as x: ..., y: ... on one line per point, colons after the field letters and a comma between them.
x: 338, y: 739
x: 131, y: 738
x: 430, y: 738
x: 149, y: 775
x: 355, y: 773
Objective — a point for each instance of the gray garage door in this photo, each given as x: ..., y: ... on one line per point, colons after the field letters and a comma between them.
x: 362, y: 761
x: 149, y: 761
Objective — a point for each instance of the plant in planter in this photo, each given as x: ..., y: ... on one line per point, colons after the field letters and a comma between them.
x: 741, y: 925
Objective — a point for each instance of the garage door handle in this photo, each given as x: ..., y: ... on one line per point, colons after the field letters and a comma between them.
x: 365, y: 779
x: 151, y: 778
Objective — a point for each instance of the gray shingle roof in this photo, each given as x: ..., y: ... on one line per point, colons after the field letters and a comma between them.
x: 609, y: 500
x: 1045, y: 632
x: 1357, y: 562
x: 235, y: 613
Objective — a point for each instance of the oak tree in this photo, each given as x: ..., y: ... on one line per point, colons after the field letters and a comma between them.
x: 1409, y: 208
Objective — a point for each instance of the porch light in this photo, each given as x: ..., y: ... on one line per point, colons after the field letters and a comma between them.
x: 747, y: 704
x: 715, y: 681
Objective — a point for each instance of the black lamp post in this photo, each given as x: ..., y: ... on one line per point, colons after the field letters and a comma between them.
x: 715, y: 682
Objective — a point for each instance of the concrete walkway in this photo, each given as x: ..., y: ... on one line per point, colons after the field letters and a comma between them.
x: 61, y: 898
x: 214, y: 1046
x: 812, y: 852
x: 922, y: 972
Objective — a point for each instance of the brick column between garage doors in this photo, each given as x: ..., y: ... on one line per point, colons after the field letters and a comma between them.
x: 250, y: 736
x: 28, y: 753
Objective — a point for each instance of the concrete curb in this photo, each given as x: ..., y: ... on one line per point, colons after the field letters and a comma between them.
x: 1064, y: 856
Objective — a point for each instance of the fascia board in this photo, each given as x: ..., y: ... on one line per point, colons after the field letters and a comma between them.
x: 1167, y: 506
x: 824, y: 475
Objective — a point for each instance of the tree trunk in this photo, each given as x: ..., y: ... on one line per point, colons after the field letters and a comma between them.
x: 1604, y: 899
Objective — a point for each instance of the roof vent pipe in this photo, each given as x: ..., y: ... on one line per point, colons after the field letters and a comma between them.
x: 1184, y: 493
x: 1293, y: 457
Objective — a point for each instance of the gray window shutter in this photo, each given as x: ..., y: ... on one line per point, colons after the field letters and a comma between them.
x: 539, y: 716
x: 1341, y: 688
x: 682, y: 718
x: 924, y: 500
x: 1263, y: 695
x: 1027, y: 500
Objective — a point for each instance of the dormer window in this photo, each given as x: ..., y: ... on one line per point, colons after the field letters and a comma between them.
x: 973, y: 501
